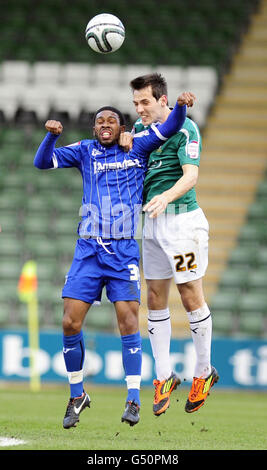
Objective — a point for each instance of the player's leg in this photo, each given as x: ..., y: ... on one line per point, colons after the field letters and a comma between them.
x: 189, y: 267
x: 199, y: 315
x: 73, y: 343
x: 81, y: 289
x: 159, y: 325
x: 123, y: 289
x: 159, y: 328
x: 158, y: 274
x: 74, y: 352
x: 127, y: 317
x: 128, y: 323
x: 200, y: 322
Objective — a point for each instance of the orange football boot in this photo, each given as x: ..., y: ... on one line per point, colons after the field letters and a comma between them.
x: 200, y: 390
x: 163, y: 391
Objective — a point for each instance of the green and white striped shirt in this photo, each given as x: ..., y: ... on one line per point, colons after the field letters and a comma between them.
x: 165, y: 165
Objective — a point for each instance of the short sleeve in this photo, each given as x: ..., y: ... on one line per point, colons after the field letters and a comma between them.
x: 190, y: 146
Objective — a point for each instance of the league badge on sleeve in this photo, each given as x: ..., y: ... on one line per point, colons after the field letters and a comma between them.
x: 193, y: 149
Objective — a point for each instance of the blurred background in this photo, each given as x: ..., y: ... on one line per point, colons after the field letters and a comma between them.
x: 214, y: 48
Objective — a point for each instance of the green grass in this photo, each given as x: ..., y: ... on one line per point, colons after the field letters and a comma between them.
x: 228, y: 421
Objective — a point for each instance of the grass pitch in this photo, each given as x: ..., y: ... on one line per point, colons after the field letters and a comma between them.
x: 228, y: 421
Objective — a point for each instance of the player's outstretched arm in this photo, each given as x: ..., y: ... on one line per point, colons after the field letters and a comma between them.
x: 44, y: 155
x: 154, y: 137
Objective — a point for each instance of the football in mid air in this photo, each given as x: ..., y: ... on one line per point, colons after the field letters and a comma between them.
x: 105, y: 33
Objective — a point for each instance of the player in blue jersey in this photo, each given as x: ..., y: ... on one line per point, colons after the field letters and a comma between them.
x: 106, y: 253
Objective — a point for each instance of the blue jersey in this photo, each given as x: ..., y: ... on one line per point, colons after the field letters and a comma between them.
x: 112, y: 184
x: 112, y: 179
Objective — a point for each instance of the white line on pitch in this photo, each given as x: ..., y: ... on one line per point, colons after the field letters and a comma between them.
x: 10, y: 441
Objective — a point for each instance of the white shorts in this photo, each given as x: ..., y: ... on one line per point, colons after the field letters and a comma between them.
x: 176, y: 245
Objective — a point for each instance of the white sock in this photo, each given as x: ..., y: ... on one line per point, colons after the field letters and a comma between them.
x: 159, y: 328
x: 201, y: 331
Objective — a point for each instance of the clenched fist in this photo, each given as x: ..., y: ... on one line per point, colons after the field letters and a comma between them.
x: 126, y: 141
x: 187, y: 98
x: 55, y: 127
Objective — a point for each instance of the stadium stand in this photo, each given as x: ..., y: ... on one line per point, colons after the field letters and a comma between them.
x: 242, y: 114
x: 52, y: 87
x: 189, y: 44
x: 215, y: 49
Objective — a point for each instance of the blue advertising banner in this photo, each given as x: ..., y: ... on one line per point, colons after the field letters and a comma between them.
x: 241, y: 363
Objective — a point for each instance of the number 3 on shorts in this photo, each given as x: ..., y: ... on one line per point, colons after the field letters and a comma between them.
x: 189, y: 262
x: 134, y: 272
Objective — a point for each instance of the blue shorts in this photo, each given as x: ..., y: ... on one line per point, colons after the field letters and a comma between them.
x: 98, y: 263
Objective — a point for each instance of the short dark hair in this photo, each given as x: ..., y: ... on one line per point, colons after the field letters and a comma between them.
x: 155, y: 80
x: 114, y: 110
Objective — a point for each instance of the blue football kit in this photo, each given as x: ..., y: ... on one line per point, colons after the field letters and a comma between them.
x: 106, y: 252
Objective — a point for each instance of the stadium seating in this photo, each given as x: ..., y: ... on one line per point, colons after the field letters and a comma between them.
x: 60, y: 77
x: 224, y: 323
x: 252, y: 323
x: 234, y: 278
x: 196, y: 44
x: 242, y: 289
x: 49, y: 88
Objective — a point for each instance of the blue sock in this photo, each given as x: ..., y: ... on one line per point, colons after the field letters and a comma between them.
x: 73, y: 352
x: 132, y: 363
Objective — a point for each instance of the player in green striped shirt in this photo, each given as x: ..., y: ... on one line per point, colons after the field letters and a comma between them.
x: 175, y: 244
x: 164, y: 168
